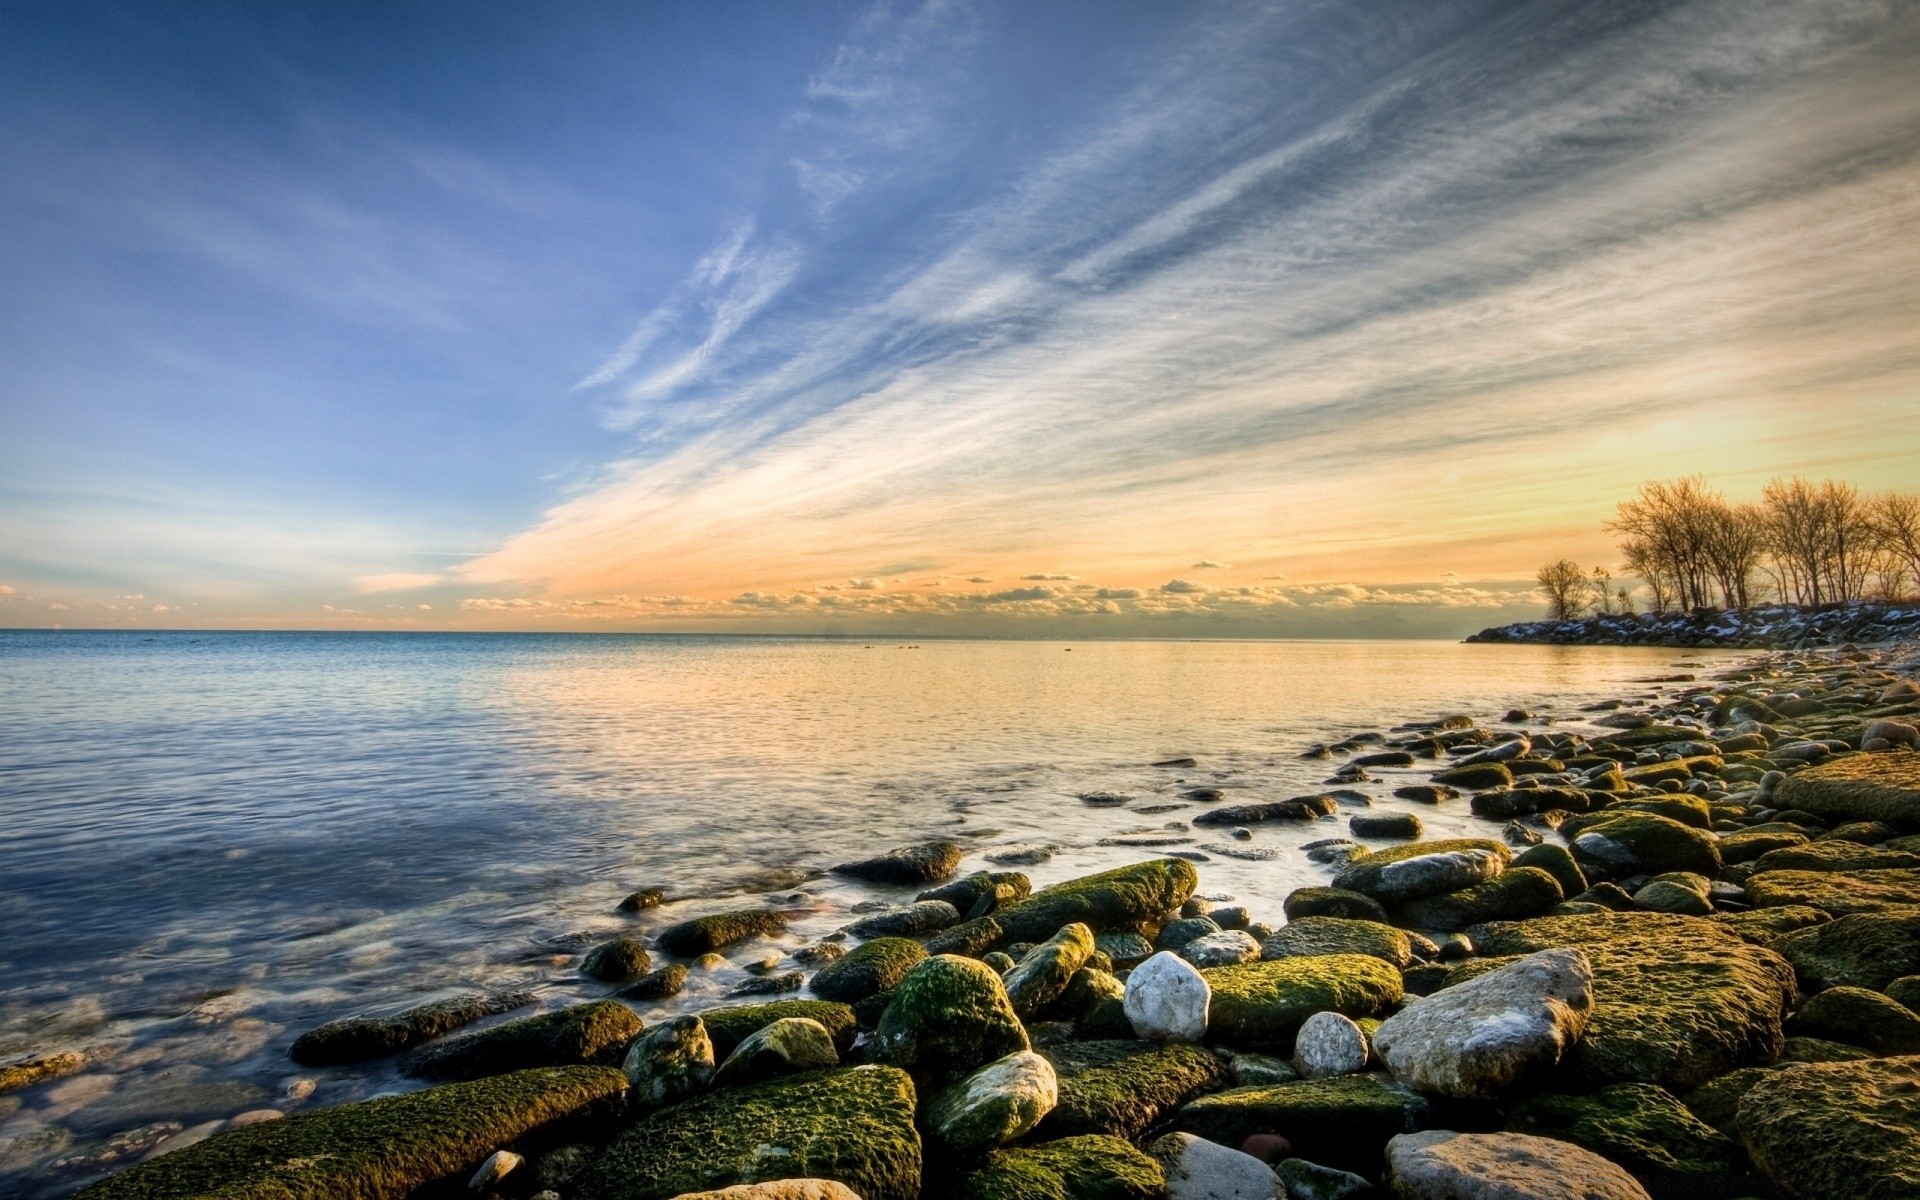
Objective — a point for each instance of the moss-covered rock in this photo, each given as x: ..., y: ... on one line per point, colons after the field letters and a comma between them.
x: 1678, y: 770
x: 1750, y: 845
x: 1042, y: 976
x: 1308, y: 936
x: 1636, y: 843
x: 1109, y: 902
x: 789, y: 1046
x: 1514, y: 894
x: 1813, y: 1049
x: 1346, y: 1119
x: 1260, y: 1005
x: 1688, y: 810
x: 1667, y: 896
x: 1837, y: 1129
x: 928, y: 862
x: 1761, y: 925
x: 669, y: 1062
x: 1397, y: 874
x: 852, y: 1125
x: 1078, y: 1168
x: 1126, y: 1087
x: 998, y: 888
x: 617, y: 960
x: 1831, y: 854
x: 1868, y: 950
x: 949, y: 1017
x: 1640, y: 1127
x: 1860, y: 1018
x: 703, y: 935
x: 661, y: 983
x: 730, y: 1026
x: 1477, y: 777
x: 991, y: 1107
x: 1677, y: 1000
x: 358, y: 1039
x: 39, y: 1069
x: 595, y: 1034
x: 1717, y: 1101
x: 1648, y: 736
x: 1557, y: 861
x: 1332, y: 902
x: 877, y: 966
x: 1905, y: 990
x: 1838, y: 892
x: 968, y: 939
x: 1857, y: 787
x: 920, y: 917
x: 1088, y: 990
x: 381, y: 1149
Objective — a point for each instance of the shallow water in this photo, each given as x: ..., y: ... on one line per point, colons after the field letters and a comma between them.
x: 211, y: 842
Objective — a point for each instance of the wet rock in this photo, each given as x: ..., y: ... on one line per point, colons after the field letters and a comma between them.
x: 730, y: 1026
x: 1201, y: 1170
x: 1635, y: 843
x: 1666, y: 896
x: 1103, y: 799
x: 949, y: 1017
x: 379, y: 1148
x: 1261, y: 1005
x: 358, y: 1039
x: 1329, y: 1044
x: 1481, y: 1037
x: 1125, y: 1087
x: 1557, y: 861
x: 1857, y: 787
x: 616, y: 961
x: 969, y: 939
x: 1307, y: 936
x: 928, y: 862
x: 1167, y: 1000
x: 852, y: 1125
x: 595, y: 1033
x: 662, y: 983
x: 1177, y: 933
x: 1221, y: 949
x: 1092, y: 1167
x: 1861, y: 1018
x: 1300, y: 808
x: 1905, y: 990
x: 1640, y: 1127
x: 1345, y: 1118
x: 786, y: 1047
x: 1514, y: 894
x: 703, y: 935
x: 1041, y: 977
x: 769, y: 985
x: 1443, y: 1165
x: 1124, y: 949
x: 1384, y: 825
x: 669, y: 1063
x: 1260, y: 1070
x: 51, y: 1066
x: 1837, y: 1129
x: 645, y: 898
x: 1476, y: 777
x: 875, y: 967
x: 1332, y: 902
x: 1112, y: 901
x: 994, y: 889
x: 996, y: 1104
x: 922, y: 916
x: 1401, y: 873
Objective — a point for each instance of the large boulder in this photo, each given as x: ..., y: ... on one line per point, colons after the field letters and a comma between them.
x: 949, y: 1017
x: 853, y: 1126
x: 1479, y: 1038
x: 1837, y: 1129
x: 1514, y: 894
x: 875, y: 967
x: 1859, y: 1017
x: 996, y: 1104
x: 1167, y: 1000
x: 1093, y: 1167
x: 1837, y: 892
x: 1110, y: 902
x: 1640, y: 1127
x: 1345, y: 1119
x: 1307, y: 936
x: 1640, y: 843
x: 717, y: 931
x: 730, y: 1026
x: 1443, y: 1165
x: 358, y: 1039
x: 1857, y: 787
x: 586, y: 1034
x: 670, y: 1062
x: 1040, y: 977
x: 1868, y: 950
x: 786, y: 1047
x: 1198, y: 1169
x: 1677, y: 1000
x: 928, y: 862
x: 381, y: 1149
x: 1125, y: 1087
x: 922, y: 916
x: 1401, y: 873
x: 1261, y: 1005
x: 1834, y: 854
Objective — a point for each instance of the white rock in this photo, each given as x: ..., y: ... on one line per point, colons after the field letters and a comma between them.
x: 499, y: 1165
x: 1329, y: 1044
x: 1475, y: 1039
x: 1167, y: 1000
x: 1201, y: 1170
x: 1223, y: 949
x: 1442, y: 1165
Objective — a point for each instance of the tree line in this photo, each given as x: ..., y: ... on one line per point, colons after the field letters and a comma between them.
x: 1801, y: 543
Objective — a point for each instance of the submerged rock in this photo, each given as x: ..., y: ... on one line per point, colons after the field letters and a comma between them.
x: 852, y: 1125
x: 703, y: 935
x: 928, y: 862
x: 1479, y: 1038
x: 356, y: 1039
x: 1443, y: 1165
x: 595, y: 1033
x: 991, y: 1107
x: 949, y: 1017
x: 1125, y: 1087
x: 1837, y: 1129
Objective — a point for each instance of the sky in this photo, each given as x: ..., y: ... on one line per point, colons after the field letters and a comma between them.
x: 1308, y: 318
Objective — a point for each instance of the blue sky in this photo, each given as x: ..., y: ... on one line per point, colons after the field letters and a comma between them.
x: 1295, y: 317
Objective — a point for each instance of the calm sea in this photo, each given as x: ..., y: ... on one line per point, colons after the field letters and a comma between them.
x: 211, y: 842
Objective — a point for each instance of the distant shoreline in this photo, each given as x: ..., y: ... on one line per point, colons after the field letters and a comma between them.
x: 1764, y: 627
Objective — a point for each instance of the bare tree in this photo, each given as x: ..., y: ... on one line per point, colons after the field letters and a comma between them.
x: 1896, y: 527
x: 1796, y: 538
x: 1735, y: 540
x: 1565, y: 583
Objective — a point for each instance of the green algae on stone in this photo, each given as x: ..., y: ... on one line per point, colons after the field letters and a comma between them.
x: 1343, y: 1121
x: 1125, y: 1087
x: 1332, y: 902
x: 1006, y: 887
x: 1678, y: 770
x: 1813, y: 1049
x: 1391, y: 874
x: 1868, y: 950
x: 1751, y: 844
x: 617, y: 960
x: 381, y: 1149
x: 969, y: 939
x: 1477, y: 777
x: 729, y: 1026
x: 1837, y: 1129
x: 1638, y: 843
x: 877, y: 966
x: 1861, y: 1018
x: 1717, y: 1100
x: 1639, y: 1126
x: 358, y: 1039
x: 595, y: 1033
x: 1093, y: 1167
x: 1043, y: 974
x: 1829, y: 854
x: 1905, y: 990
x: 1761, y: 925
x: 1088, y: 990
x: 852, y: 1125
x: 703, y: 935
x: 1110, y: 902
x: 1688, y: 810
x: 1557, y: 861
x: 1857, y: 787
x: 1261, y: 1005
x: 1514, y: 894
x: 1307, y: 936
x: 949, y: 1017
x: 1838, y: 892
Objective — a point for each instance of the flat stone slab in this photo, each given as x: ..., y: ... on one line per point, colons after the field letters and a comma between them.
x: 1858, y: 787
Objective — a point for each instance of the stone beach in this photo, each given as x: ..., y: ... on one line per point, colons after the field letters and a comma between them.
x: 1674, y: 959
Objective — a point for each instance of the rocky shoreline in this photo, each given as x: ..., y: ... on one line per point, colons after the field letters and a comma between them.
x: 1767, y: 627
x: 1684, y: 961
